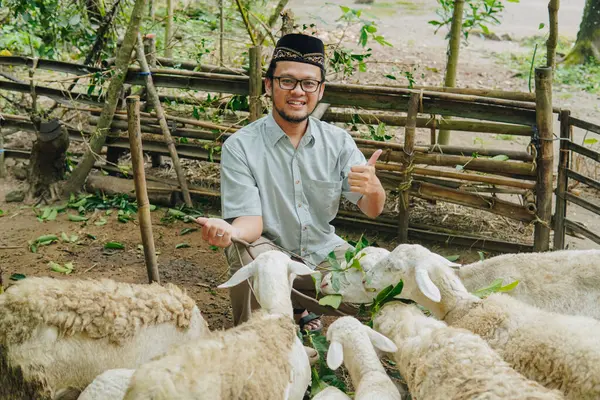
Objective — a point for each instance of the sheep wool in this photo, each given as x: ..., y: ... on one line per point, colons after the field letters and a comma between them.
x: 58, y: 335
x: 240, y: 363
x: 444, y: 363
x: 565, y: 282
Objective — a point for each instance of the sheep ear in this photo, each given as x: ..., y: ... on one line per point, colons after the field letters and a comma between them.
x: 335, y: 355
x: 295, y: 267
x: 426, y: 285
x: 240, y: 276
x: 381, y: 342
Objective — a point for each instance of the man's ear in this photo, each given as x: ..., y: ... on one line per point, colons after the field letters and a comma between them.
x: 269, y: 87
x: 321, y: 91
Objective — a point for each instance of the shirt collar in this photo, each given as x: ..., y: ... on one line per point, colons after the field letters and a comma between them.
x: 275, y: 133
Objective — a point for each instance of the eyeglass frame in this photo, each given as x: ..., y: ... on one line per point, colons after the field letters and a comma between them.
x: 300, y: 81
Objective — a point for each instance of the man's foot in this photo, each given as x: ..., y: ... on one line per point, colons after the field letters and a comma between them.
x: 308, y: 321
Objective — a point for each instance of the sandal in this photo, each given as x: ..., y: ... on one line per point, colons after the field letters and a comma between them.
x: 308, y: 318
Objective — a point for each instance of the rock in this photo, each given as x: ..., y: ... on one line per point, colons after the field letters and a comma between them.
x: 20, y: 172
x: 15, y: 196
x: 10, y: 162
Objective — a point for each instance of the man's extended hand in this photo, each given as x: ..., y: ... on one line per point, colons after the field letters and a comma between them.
x: 362, y: 178
x: 216, y: 231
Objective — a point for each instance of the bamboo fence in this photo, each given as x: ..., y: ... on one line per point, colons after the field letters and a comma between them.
x: 433, y: 172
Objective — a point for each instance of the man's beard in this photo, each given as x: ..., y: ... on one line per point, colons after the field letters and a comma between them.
x: 290, y: 118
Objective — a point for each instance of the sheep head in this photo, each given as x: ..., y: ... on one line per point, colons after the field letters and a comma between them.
x: 346, y: 329
x: 271, y: 276
x: 426, y: 275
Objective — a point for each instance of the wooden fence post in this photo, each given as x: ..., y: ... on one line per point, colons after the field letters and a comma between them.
x: 255, y: 83
x: 545, y: 156
x: 408, y: 156
x: 139, y: 177
x: 561, y: 181
x: 150, y: 50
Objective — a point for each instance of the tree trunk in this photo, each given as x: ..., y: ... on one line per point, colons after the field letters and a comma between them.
x: 553, y: 6
x: 453, y: 51
x: 587, y: 46
x: 47, y: 160
x: 169, y: 29
x: 115, y: 87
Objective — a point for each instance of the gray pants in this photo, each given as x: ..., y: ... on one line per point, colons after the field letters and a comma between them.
x: 303, y: 292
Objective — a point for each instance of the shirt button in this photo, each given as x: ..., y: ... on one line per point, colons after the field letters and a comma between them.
x: 305, y: 227
x: 297, y: 182
x: 299, y: 205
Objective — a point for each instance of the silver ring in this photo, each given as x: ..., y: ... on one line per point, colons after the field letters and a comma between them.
x: 220, y: 234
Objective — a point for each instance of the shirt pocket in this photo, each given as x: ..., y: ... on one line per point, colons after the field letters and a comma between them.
x: 324, y: 197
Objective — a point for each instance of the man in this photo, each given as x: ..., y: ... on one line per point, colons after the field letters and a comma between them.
x: 282, y: 177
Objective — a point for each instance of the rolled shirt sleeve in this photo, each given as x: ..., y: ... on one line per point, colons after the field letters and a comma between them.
x: 349, y: 157
x: 239, y: 191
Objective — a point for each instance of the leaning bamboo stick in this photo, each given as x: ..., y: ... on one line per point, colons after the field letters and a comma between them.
x: 545, y: 156
x: 408, y: 156
x: 152, y: 94
x: 492, y: 180
x: 137, y: 159
x: 562, y: 180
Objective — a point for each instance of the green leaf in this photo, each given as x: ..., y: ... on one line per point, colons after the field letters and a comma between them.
x: 500, y: 157
x: 182, y: 246
x: 101, y: 221
x: 64, y: 237
x: 371, y: 28
x: 91, y: 236
x: 77, y: 218
x: 214, y: 248
x: 492, y: 288
x: 17, y: 277
x: 460, y: 167
x: 153, y: 207
x: 509, y: 287
x: 185, y: 231
x: 114, y: 245
x: 332, y: 300
x: 453, y: 258
x: 345, y: 9
x: 542, y: 25
x: 58, y: 268
x: 589, y: 141
x: 335, y: 281
x: 1, y: 212
x: 390, y: 77
x: 46, y: 238
x: 317, y: 278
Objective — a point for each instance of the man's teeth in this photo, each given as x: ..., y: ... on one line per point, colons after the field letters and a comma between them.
x: 298, y: 103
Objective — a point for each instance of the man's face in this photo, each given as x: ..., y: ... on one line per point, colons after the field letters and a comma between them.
x: 294, y: 105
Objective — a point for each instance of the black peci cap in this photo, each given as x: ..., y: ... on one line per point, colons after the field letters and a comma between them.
x: 300, y: 48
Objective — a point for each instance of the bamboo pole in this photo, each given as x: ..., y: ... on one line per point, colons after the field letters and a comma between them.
x: 150, y: 50
x: 221, y: 33
x: 255, y: 88
x: 553, y: 6
x: 137, y: 159
x: 441, y: 123
x: 543, y: 91
x: 408, y: 156
x: 2, y: 165
x: 246, y: 21
x: 562, y: 180
x: 453, y: 53
x: 491, y: 180
x: 153, y: 95
x: 169, y: 29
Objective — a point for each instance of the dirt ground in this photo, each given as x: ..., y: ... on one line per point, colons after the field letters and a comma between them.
x: 198, y: 268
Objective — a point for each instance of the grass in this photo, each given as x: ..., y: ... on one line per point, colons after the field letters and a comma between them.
x: 584, y: 77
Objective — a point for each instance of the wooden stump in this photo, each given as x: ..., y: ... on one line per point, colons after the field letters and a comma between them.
x: 47, y: 161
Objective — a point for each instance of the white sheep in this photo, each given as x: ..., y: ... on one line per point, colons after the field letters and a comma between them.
x: 331, y: 393
x: 566, y: 282
x: 110, y: 385
x: 353, y: 343
x: 351, y: 279
x: 444, y: 363
x: 559, y: 351
x: 261, y: 358
x: 58, y: 335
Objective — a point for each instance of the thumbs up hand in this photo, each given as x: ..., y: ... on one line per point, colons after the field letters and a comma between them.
x: 362, y: 178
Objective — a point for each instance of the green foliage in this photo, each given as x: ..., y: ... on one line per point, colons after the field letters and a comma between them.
x: 477, y: 13
x: 321, y: 375
x: 50, y: 27
x: 495, y: 287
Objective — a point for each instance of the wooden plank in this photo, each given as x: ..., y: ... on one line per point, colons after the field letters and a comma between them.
x: 588, y: 126
x: 560, y: 210
x: 583, y: 179
x: 55, y: 94
x: 583, y: 203
x: 52, y: 65
x: 577, y: 228
x: 584, y: 151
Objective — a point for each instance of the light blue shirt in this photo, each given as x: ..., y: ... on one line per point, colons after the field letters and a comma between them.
x: 295, y: 190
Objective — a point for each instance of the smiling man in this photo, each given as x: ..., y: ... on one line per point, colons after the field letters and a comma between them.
x: 282, y: 177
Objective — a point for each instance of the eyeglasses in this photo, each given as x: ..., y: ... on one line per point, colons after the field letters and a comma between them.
x: 308, y: 85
